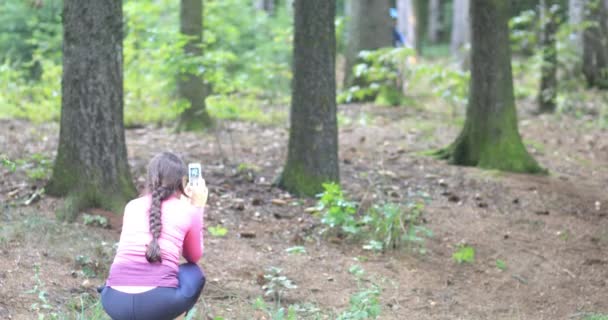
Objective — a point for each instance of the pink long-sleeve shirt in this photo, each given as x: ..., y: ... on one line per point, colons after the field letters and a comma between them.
x: 181, y: 233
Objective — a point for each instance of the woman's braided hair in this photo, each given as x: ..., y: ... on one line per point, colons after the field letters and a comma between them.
x: 165, y: 178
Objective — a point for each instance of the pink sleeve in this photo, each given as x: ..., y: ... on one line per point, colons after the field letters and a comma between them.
x: 193, y: 242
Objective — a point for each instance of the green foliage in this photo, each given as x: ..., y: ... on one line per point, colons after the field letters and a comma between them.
x: 337, y: 211
x: 276, y: 284
x: 43, y: 307
x: 596, y: 317
x: 8, y: 164
x: 524, y: 32
x: 391, y: 225
x: 245, y: 62
x: 28, y: 28
x: 217, y: 231
x: 276, y: 312
x: 296, y: 250
x: 365, y: 303
x: 500, y: 264
x: 445, y: 81
x: 379, y: 76
x: 384, y: 226
x: 95, y: 221
x: 464, y: 254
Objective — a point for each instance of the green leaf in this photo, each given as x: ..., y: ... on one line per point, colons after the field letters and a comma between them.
x: 296, y: 250
x: 464, y: 254
x: 217, y: 231
x: 500, y: 264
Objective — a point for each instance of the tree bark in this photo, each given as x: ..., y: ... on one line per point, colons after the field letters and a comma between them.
x: 312, y: 157
x: 548, y: 80
x: 490, y: 138
x: 406, y: 22
x: 190, y: 86
x: 595, y: 44
x: 368, y: 28
x: 434, y: 23
x: 91, y: 166
x: 461, y: 33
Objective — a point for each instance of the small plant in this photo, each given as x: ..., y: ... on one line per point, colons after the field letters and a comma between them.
x: 364, y: 304
x: 276, y: 284
x: 500, y: 264
x: 7, y: 163
x: 464, y: 254
x: 337, y: 211
x: 95, y: 221
x: 217, y: 231
x: 87, y: 266
x: 296, y: 250
x: 43, y: 307
x: 392, y: 225
x: 276, y: 312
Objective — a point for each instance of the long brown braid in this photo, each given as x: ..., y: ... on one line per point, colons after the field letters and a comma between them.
x: 165, y: 174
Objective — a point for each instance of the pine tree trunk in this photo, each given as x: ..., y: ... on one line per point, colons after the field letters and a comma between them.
x: 407, y: 23
x: 312, y: 157
x: 191, y: 87
x: 595, y: 44
x: 368, y: 28
x: 91, y: 166
x: 461, y: 33
x: 490, y: 138
x: 548, y: 80
x: 434, y: 23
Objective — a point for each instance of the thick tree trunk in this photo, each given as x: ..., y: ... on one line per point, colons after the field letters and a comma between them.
x: 191, y: 87
x: 490, y: 138
x: 595, y: 44
x: 368, y: 27
x: 91, y: 167
x: 461, y: 32
x: 407, y: 23
x: 575, y: 18
x: 312, y: 157
x: 434, y: 23
x: 548, y: 80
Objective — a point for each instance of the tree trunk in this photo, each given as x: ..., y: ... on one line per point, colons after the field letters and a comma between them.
x: 490, y: 138
x: 575, y: 18
x: 190, y: 86
x: 312, y: 157
x: 461, y: 33
x: 368, y: 28
x: 548, y: 80
x: 595, y: 44
x: 91, y: 166
x: 406, y: 22
x: 434, y: 23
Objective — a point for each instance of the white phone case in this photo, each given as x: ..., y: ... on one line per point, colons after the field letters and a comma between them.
x: 194, y: 173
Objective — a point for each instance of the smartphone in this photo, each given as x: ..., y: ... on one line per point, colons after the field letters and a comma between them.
x: 194, y: 173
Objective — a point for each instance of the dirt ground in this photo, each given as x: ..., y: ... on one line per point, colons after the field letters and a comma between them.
x: 550, y: 231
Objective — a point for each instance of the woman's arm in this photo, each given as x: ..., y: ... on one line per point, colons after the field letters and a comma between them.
x: 193, y: 242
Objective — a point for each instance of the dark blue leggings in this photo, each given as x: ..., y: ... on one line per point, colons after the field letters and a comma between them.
x: 160, y: 303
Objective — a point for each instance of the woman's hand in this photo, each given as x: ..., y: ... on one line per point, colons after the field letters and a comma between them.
x: 197, y: 193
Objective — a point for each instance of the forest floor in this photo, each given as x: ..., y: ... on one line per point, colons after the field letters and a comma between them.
x: 540, y: 241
